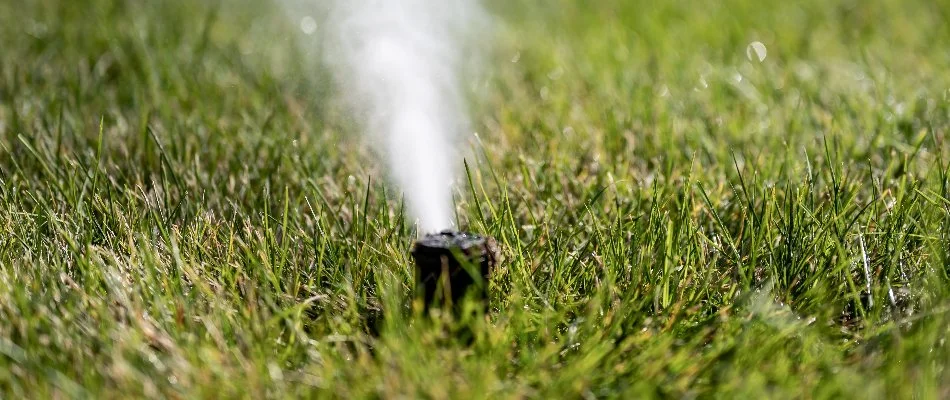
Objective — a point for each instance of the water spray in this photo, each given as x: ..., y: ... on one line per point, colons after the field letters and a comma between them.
x: 398, y: 65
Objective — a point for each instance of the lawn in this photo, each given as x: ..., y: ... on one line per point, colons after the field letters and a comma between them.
x: 734, y: 199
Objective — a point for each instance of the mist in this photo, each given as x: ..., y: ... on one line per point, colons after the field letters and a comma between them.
x: 397, y: 64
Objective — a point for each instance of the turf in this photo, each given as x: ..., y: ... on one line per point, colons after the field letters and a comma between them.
x: 187, y: 211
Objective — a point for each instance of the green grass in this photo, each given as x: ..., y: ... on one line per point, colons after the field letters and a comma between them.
x: 185, y: 210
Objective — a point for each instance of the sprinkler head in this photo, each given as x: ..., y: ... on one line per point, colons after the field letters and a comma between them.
x: 451, y: 264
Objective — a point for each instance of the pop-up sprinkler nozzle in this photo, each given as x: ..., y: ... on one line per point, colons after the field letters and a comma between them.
x: 451, y: 264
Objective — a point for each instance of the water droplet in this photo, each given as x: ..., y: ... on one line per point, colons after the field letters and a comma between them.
x: 899, y: 108
x: 756, y: 50
x: 308, y: 25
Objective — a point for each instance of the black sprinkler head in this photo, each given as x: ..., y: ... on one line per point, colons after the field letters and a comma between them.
x: 451, y: 264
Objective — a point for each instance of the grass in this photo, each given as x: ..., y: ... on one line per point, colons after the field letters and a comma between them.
x: 185, y: 210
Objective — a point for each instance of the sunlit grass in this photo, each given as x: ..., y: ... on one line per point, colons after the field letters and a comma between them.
x: 186, y: 212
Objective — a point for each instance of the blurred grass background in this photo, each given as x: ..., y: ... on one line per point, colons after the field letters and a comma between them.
x: 187, y: 211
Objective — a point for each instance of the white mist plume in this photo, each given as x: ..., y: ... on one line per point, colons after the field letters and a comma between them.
x: 397, y: 62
